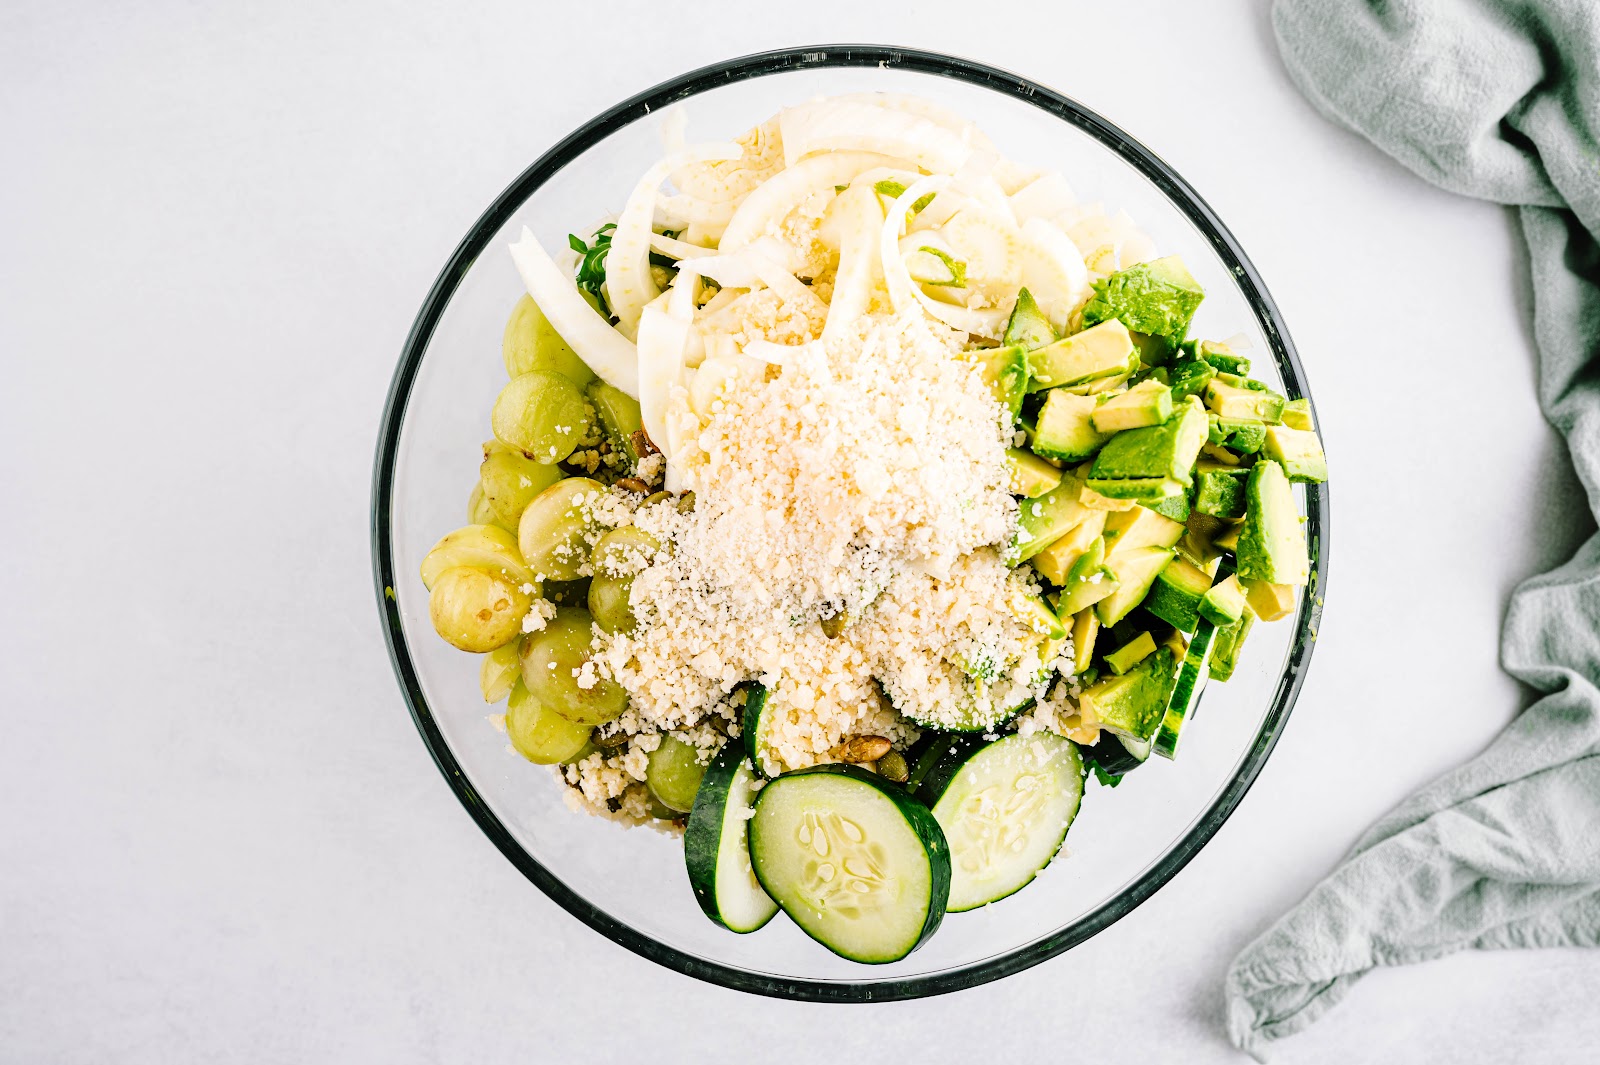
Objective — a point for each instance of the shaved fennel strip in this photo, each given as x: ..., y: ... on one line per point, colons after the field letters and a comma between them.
x: 607, y: 352
x: 902, y: 290
x: 662, y: 338
x: 859, y: 270
x: 678, y: 249
x: 776, y: 197
x: 835, y: 126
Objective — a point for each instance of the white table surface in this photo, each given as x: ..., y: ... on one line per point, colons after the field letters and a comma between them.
x: 220, y: 838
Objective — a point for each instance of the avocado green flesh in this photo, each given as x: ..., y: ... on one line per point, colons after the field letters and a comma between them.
x: 1158, y: 297
x: 1005, y: 371
x: 1272, y: 546
x: 1100, y: 351
x: 1225, y: 651
x: 1031, y: 476
x: 1147, y: 403
x: 1167, y: 450
x: 1134, y: 703
x: 1028, y: 327
x: 1045, y: 520
x: 1221, y: 494
x: 1175, y: 596
x: 1065, y: 429
x: 1298, y: 451
x: 1135, y: 571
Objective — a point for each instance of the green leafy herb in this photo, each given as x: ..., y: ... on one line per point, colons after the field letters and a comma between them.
x: 957, y: 269
x: 592, y: 267
x: 894, y: 190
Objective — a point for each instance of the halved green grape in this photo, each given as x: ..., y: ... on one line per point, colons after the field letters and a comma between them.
x: 510, y: 479
x: 501, y: 670
x: 531, y: 343
x: 673, y: 773
x: 480, y: 513
x: 556, y: 668
x: 485, y: 547
x: 476, y: 610
x: 624, y: 551
x: 543, y: 414
x: 619, y: 417
x: 553, y: 535
x: 539, y: 734
x: 608, y: 602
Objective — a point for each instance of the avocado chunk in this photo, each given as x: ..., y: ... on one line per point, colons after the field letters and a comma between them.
x: 1035, y: 613
x: 1243, y: 435
x: 1158, y: 297
x: 1268, y: 601
x: 1134, y: 571
x: 1130, y: 530
x: 1166, y: 451
x: 1272, y: 546
x: 1028, y: 327
x: 1298, y: 451
x: 1095, y: 501
x: 1085, y: 630
x: 1174, y: 507
x: 1221, y: 356
x: 1005, y: 371
x: 1047, y: 519
x: 1055, y: 561
x: 1131, y: 653
x: 1099, y: 351
x: 1065, y: 429
x: 1031, y: 476
x: 1225, y: 645
x: 1297, y: 414
x: 1147, y: 403
x: 1175, y: 596
x: 1231, y: 401
x: 1133, y: 704
x: 1088, y: 582
x: 1224, y: 603
x: 1198, y: 541
x: 1219, y: 491
x: 1228, y: 539
x: 1189, y: 378
x: 1139, y: 489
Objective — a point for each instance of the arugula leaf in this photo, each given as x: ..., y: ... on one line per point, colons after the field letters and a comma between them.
x: 592, y: 267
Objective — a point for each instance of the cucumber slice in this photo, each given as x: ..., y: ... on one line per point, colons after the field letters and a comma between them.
x: 862, y: 867
x: 1118, y: 754
x: 715, y: 846
x: 1186, y: 693
x: 1005, y: 808
x: 755, y: 717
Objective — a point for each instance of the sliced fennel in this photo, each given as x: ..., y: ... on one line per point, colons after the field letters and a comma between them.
x: 607, y: 352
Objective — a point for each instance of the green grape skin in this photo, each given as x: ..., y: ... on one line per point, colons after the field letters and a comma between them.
x: 624, y: 551
x: 476, y: 610
x: 531, y: 343
x: 673, y: 774
x: 510, y: 480
x: 609, y: 603
x: 500, y: 672
x: 553, y: 537
x: 540, y: 735
x: 619, y: 417
x: 552, y: 655
x: 480, y: 513
x: 485, y: 547
x: 543, y: 415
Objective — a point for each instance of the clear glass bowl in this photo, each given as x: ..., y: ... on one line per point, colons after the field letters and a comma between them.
x: 631, y: 885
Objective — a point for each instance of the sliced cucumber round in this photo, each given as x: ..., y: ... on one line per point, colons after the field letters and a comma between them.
x: 715, y: 847
x: 1117, y: 754
x: 861, y: 866
x: 1005, y: 808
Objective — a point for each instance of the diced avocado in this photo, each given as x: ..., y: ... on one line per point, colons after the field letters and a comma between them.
x: 1154, y: 350
x: 1031, y: 476
x: 1189, y: 378
x: 1175, y: 596
x: 1142, y: 489
x: 1198, y: 541
x: 1167, y: 450
x: 1243, y: 435
x: 1158, y: 297
x: 1005, y: 371
x: 1224, y: 602
x: 1268, y: 601
x: 1228, y: 539
x: 1065, y: 429
x: 1132, y: 705
x: 1028, y: 327
x: 1035, y: 613
x: 1134, y: 571
x: 1221, y: 356
x: 1129, y: 530
x: 1297, y: 414
x: 1131, y: 653
x: 1272, y: 546
x: 1174, y: 507
x: 1089, y: 581
x: 1225, y: 645
x: 1234, y: 402
x: 1299, y: 451
x: 1085, y: 629
x: 1219, y: 491
x: 1055, y: 561
x: 1099, y: 351
x: 1147, y: 403
x: 1095, y: 501
x: 1044, y: 520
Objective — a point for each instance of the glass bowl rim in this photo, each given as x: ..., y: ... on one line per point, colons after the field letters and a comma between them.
x: 744, y: 68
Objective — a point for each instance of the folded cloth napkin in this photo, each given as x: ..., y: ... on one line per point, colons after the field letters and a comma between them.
x: 1497, y: 99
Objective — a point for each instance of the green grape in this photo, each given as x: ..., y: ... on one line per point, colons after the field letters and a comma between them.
x: 550, y: 659
x: 673, y: 774
x: 608, y: 602
x: 476, y: 610
x: 501, y: 670
x: 553, y: 535
x: 479, y: 512
x: 619, y: 416
x: 542, y: 414
x: 531, y: 343
x: 485, y: 547
x: 510, y: 479
x: 540, y: 735
x: 624, y: 551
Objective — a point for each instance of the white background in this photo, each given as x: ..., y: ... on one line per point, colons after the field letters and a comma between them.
x: 220, y: 837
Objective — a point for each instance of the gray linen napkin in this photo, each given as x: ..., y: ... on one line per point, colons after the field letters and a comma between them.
x: 1501, y: 101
